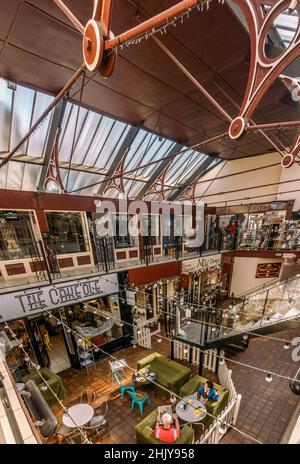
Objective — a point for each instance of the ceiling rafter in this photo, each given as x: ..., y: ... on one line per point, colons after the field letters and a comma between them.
x: 202, y: 169
x: 158, y: 171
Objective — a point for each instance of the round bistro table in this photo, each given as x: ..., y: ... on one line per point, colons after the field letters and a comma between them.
x: 78, y: 415
x: 191, y: 414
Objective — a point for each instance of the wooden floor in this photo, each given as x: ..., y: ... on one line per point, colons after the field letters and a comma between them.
x: 265, y: 410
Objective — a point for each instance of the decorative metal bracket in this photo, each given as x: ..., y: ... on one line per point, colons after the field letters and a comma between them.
x: 157, y: 188
x: 294, y: 87
x: 117, y: 181
x: 53, y: 173
x: 263, y: 70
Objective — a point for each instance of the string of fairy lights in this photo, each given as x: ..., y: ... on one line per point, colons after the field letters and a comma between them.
x: 80, y: 339
x: 46, y: 385
x: 246, y: 333
x: 173, y: 396
x: 200, y: 6
x: 269, y: 375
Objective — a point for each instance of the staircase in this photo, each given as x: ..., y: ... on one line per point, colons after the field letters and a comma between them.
x: 264, y: 310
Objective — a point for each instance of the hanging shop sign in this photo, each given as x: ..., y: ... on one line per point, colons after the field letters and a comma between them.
x: 289, y: 256
x: 201, y: 264
x: 256, y: 207
x: 16, y: 305
x: 130, y: 298
x: 267, y: 270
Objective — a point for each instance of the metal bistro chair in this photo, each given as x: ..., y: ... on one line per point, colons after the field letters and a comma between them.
x: 88, y: 397
x: 123, y: 388
x: 117, y: 366
x: 139, y: 399
x: 98, y: 423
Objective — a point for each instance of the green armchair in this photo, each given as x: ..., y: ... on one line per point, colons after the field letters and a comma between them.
x: 169, y: 374
x: 213, y: 407
x: 54, y: 382
x: 144, y: 432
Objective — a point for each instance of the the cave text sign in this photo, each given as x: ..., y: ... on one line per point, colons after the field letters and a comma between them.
x: 16, y: 305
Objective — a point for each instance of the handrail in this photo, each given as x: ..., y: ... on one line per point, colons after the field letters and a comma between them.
x: 22, y: 405
x: 269, y: 285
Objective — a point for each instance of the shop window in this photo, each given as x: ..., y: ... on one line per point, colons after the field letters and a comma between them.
x: 17, y: 235
x: 150, y: 227
x: 146, y: 303
x: 98, y: 320
x: 67, y: 232
x: 125, y: 231
x: 14, y: 355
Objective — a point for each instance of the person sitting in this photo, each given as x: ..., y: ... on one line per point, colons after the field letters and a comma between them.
x: 167, y: 432
x: 208, y: 392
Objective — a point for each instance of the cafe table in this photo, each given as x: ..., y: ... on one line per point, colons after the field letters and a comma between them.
x: 78, y: 415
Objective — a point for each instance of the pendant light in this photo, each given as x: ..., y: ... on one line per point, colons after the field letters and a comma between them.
x: 269, y: 377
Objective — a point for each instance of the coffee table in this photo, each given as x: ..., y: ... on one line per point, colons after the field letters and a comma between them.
x: 147, y: 379
x: 78, y: 415
x: 191, y: 414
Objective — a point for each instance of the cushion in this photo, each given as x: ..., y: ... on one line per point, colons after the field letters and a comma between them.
x: 97, y: 421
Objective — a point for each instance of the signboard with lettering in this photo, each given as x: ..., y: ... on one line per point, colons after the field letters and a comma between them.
x: 130, y: 297
x: 201, y: 264
x: 289, y: 256
x: 16, y: 305
x: 267, y: 270
x: 256, y: 207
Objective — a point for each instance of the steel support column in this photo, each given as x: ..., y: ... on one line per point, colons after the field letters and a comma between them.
x: 195, y: 176
x: 158, y: 171
x: 56, y: 122
x: 122, y: 151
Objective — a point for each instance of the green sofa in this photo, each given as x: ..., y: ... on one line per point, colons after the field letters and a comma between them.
x: 54, y: 382
x: 144, y: 432
x: 169, y: 374
x: 213, y: 407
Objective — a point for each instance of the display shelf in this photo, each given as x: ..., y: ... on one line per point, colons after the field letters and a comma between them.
x: 86, y: 357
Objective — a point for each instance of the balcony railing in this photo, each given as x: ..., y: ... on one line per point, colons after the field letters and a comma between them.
x: 276, y: 304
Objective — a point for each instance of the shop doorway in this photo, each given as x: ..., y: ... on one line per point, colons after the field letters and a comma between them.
x: 50, y: 340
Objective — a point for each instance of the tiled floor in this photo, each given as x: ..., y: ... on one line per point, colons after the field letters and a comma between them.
x: 265, y: 410
x: 58, y: 354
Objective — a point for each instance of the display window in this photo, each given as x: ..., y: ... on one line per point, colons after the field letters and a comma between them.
x: 18, y: 235
x: 146, y: 303
x: 150, y: 227
x: 13, y: 354
x: 68, y: 232
x: 97, y: 320
x: 121, y: 226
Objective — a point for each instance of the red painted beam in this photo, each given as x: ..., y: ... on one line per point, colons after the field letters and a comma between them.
x: 158, y: 20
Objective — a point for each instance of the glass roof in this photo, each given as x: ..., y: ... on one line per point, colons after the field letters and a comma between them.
x: 286, y: 25
x: 89, y: 145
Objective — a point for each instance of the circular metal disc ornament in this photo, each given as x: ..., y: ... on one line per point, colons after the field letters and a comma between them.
x: 109, y: 61
x: 237, y: 128
x: 287, y: 161
x: 92, y: 46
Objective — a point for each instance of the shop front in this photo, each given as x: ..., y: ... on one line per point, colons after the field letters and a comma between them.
x: 64, y: 325
x: 261, y: 226
x: 202, y: 277
x: 68, y: 240
x: 19, y: 234
x: 151, y: 288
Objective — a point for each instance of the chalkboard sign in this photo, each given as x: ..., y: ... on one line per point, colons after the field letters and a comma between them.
x: 266, y: 270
